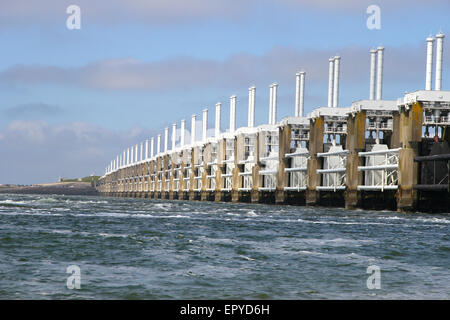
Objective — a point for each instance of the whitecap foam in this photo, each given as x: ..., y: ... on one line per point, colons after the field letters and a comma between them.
x: 29, y: 214
x: 13, y: 202
x: 251, y: 213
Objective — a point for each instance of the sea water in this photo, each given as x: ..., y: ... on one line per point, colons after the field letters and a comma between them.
x: 159, y: 249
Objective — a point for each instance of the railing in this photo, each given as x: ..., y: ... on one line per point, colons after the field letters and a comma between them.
x: 340, y: 129
x: 228, y: 175
x: 187, y: 183
x: 168, y: 174
x: 334, y: 176
x: 247, y: 180
x: 269, y: 175
x: 160, y: 181
x: 298, y: 178
x: 300, y: 136
x: 437, y: 120
x: 381, y: 170
x: 228, y: 160
x: 212, y: 177
x: 381, y: 125
x: 152, y: 182
x: 198, y: 177
x: 176, y: 178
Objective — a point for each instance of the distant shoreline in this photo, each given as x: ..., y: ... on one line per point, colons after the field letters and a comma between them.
x: 62, y: 188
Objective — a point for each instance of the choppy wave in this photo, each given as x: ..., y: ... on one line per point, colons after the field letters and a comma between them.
x: 158, y: 249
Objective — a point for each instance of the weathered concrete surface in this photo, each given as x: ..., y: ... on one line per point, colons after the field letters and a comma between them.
x: 410, y: 136
x: 355, y: 142
x: 314, y: 163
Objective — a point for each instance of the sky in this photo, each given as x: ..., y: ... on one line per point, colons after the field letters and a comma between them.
x: 71, y: 100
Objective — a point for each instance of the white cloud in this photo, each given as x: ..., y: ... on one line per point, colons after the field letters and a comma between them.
x: 358, y: 5
x: 34, y: 151
x: 405, y: 64
x: 154, y: 12
x: 110, y: 12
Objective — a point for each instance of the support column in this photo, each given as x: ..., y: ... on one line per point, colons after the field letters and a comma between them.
x: 194, y: 158
x: 172, y: 192
x: 157, y: 179
x: 314, y: 163
x: 142, y: 179
x: 411, y: 120
x: 255, y: 194
x: 151, y: 194
x: 284, y: 134
x: 181, y: 177
x: 206, y: 158
x: 237, y: 180
x: 355, y: 142
x: 165, y: 191
x: 221, y: 150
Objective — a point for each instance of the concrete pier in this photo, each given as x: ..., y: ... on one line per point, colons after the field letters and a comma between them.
x: 372, y: 154
x: 314, y: 163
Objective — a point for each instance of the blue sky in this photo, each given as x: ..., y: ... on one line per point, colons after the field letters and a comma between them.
x: 73, y: 99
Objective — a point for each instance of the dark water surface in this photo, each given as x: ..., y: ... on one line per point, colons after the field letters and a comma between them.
x: 148, y: 249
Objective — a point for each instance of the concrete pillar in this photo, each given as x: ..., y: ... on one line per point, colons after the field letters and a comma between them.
x: 206, y: 159
x: 314, y: 163
x: 302, y: 94
x: 217, y: 124
x: 174, y: 136
x: 158, y: 145
x: 439, y: 58
x: 205, y: 125
x: 237, y: 180
x: 337, y: 62
x: 165, y: 162
x: 297, y: 94
x: 380, y: 55
x: 152, y: 144
x: 172, y: 192
x: 183, y: 132
x: 193, y: 128
x: 270, y: 103
x: 251, y: 107
x: 373, y: 63
x: 429, y: 69
x: 221, y: 151
x: 158, y: 178
x: 166, y: 139
x: 410, y: 138
x: 330, y: 82
x: 146, y: 149
x: 181, y: 176
x: 274, y: 103
x: 257, y: 179
x: 136, y: 151
x: 355, y: 142
x: 194, y: 158
x: 284, y: 134
x: 232, y: 114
